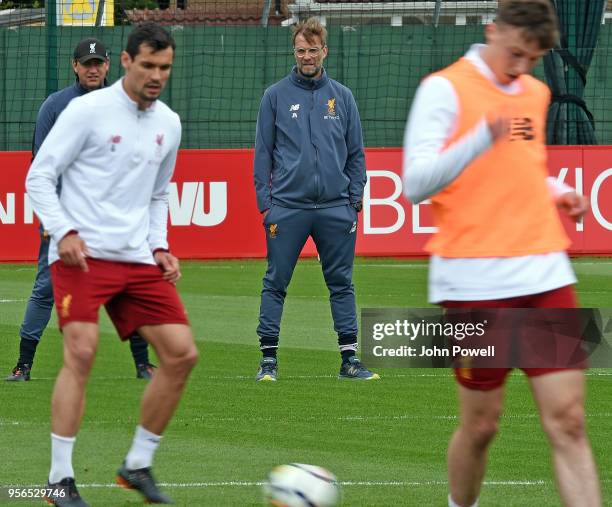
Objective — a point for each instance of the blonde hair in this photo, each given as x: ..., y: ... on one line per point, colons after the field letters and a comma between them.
x: 310, y: 29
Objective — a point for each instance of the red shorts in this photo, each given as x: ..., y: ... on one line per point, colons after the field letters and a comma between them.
x: 134, y: 295
x: 486, y: 379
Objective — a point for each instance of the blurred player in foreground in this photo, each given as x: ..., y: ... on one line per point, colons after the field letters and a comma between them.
x: 475, y: 146
x: 108, y: 247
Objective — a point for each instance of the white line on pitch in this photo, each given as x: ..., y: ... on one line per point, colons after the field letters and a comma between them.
x: 348, y: 418
x: 602, y: 263
x: 252, y: 377
x: 393, y: 266
x: 443, y: 375
x: 224, y: 484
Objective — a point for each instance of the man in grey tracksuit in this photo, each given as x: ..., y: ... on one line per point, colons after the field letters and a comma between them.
x: 309, y: 178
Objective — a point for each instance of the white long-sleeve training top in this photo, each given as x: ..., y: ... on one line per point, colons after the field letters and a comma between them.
x: 116, y: 163
x: 428, y: 169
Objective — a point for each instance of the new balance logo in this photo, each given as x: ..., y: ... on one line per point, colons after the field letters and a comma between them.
x: 293, y: 109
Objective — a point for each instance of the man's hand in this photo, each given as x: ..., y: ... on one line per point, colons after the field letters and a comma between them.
x: 574, y: 205
x: 499, y: 126
x: 169, y: 264
x: 72, y: 250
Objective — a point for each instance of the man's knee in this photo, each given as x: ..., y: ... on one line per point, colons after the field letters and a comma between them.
x: 339, y: 281
x: 79, y: 352
x: 180, y: 365
x: 565, y: 424
x: 190, y: 358
x: 42, y: 293
x: 482, y: 430
x: 182, y: 357
x: 341, y: 289
x: 276, y: 285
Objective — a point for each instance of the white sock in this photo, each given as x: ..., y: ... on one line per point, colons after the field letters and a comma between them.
x: 61, y: 458
x: 143, y: 447
x: 451, y: 503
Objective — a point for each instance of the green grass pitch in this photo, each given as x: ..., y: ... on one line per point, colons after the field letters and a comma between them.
x: 386, y: 441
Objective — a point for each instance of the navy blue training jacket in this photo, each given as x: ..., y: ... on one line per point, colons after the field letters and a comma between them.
x: 51, y: 109
x: 308, y: 145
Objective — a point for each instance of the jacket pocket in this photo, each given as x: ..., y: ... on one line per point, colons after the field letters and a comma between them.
x: 266, y: 219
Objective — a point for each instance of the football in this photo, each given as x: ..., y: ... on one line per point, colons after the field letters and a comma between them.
x: 299, y: 485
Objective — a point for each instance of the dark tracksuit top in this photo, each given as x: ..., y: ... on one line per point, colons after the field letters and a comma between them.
x: 48, y: 113
x: 309, y: 156
x: 308, y: 146
x: 50, y: 110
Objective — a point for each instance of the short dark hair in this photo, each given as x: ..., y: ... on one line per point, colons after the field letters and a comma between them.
x: 310, y: 29
x: 537, y: 18
x: 150, y: 34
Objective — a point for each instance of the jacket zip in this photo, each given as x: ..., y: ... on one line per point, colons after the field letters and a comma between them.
x: 316, y: 171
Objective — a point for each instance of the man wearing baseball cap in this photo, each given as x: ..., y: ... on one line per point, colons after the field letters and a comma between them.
x: 90, y: 49
x: 90, y: 64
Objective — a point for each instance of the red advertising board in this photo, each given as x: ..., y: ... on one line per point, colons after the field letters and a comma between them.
x: 213, y: 212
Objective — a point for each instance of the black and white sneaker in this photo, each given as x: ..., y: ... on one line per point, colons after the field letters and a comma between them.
x: 20, y: 373
x: 145, y: 371
x: 353, y: 369
x: 64, y: 494
x: 268, y: 368
x: 142, y: 481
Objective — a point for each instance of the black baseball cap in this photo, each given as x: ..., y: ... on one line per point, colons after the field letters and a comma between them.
x: 90, y: 49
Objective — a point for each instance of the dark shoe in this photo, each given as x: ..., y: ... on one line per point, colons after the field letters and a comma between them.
x: 20, y: 373
x: 64, y: 494
x: 267, y: 370
x: 142, y: 481
x: 353, y: 369
x: 145, y: 371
